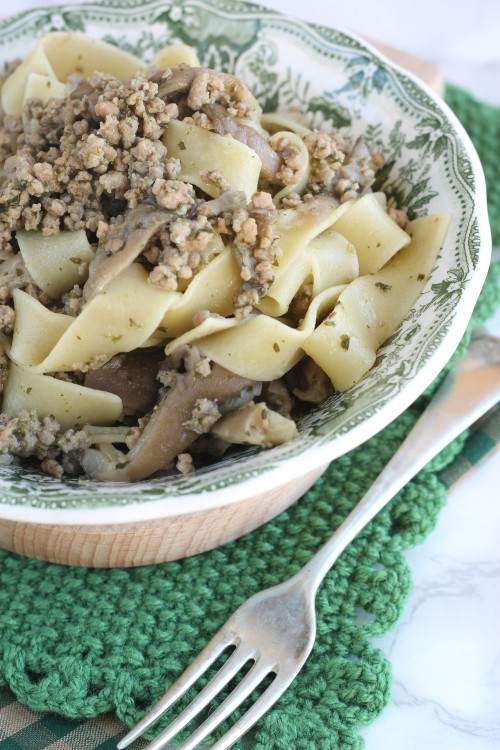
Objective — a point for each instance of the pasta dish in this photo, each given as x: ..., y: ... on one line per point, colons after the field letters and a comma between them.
x: 181, y: 272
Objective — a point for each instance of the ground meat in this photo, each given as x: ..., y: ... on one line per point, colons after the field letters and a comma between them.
x: 52, y: 467
x: 173, y: 194
x: 202, y: 315
x: 74, y: 158
x: 7, y: 316
x: 201, y: 120
x: 398, y: 215
x: 26, y: 435
x: 135, y: 432
x: 10, y: 127
x: 255, y: 245
x: 339, y: 167
x: 202, y: 368
x: 204, y: 415
x: 180, y: 251
x: 185, y: 463
x: 96, y: 361
x: 210, y: 86
x: 4, y: 368
x: 300, y: 303
x: 72, y: 301
x: 13, y: 274
x: 292, y: 162
x: 73, y: 440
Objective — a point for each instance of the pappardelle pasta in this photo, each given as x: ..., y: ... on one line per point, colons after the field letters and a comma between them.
x: 181, y: 273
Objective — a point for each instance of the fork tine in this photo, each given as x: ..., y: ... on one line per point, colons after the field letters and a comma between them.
x: 248, y: 684
x: 205, y: 658
x: 254, y: 713
x: 232, y: 666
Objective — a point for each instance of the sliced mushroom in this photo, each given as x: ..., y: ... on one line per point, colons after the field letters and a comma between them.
x: 132, y: 376
x: 165, y: 435
x: 277, y: 396
x: 134, y: 233
x: 183, y: 78
x: 356, y: 166
x: 256, y: 424
x: 227, y: 201
x: 225, y: 124
x: 85, y: 91
x: 178, y: 81
x: 313, y: 385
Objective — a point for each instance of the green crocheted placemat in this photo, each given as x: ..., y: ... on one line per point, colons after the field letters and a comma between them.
x: 82, y: 642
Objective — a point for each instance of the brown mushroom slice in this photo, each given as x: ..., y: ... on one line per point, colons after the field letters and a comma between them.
x: 178, y: 81
x: 355, y: 166
x: 187, y: 80
x: 255, y: 425
x: 139, y: 225
x: 313, y: 384
x: 225, y: 124
x: 132, y: 376
x: 227, y: 201
x: 85, y: 91
x: 165, y: 435
x: 277, y: 396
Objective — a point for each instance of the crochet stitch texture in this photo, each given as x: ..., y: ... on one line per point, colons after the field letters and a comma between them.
x: 81, y: 642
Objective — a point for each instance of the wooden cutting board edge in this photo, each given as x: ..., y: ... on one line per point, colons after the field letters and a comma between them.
x: 424, y: 69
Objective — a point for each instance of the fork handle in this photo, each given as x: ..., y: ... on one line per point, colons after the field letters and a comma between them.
x: 467, y: 392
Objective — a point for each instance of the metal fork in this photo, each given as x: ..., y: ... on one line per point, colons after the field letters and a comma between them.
x: 275, y: 629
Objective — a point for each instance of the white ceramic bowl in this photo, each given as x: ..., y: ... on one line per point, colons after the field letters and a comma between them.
x: 432, y: 168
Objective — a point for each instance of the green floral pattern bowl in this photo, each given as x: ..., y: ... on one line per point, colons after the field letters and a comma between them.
x: 430, y: 167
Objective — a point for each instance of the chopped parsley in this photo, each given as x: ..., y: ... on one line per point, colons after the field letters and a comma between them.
x: 345, y: 340
x: 383, y: 287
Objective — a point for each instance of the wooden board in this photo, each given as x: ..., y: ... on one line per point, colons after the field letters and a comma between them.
x: 425, y: 70
x: 127, y: 544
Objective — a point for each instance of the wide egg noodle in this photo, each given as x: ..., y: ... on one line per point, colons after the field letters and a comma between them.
x: 13, y: 89
x: 60, y: 54
x: 259, y: 347
x: 200, y: 151
x: 175, y: 54
x: 36, y: 329
x: 296, y: 141
x: 54, y: 262
x: 289, y: 121
x: 119, y: 319
x: 374, y: 234
x: 328, y: 260
x: 296, y: 228
x: 44, y: 88
x: 209, y: 326
x: 212, y: 289
x: 372, y: 307
x: 71, y: 404
x: 333, y: 260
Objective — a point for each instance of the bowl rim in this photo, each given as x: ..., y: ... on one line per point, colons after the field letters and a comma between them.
x: 314, y: 456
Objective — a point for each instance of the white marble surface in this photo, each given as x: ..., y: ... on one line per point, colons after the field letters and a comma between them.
x: 445, y: 651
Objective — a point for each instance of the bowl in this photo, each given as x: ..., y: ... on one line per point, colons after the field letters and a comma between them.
x: 431, y: 167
